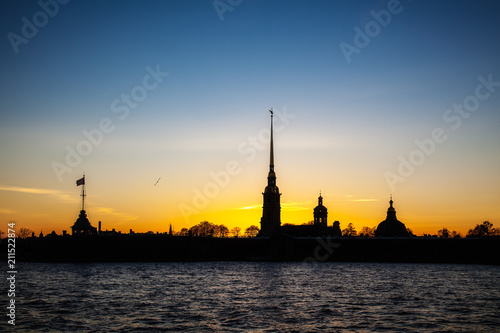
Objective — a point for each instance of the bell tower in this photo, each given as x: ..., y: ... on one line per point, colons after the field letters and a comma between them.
x: 320, y: 213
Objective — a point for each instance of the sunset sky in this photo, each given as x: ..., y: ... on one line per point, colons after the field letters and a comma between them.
x: 371, y: 98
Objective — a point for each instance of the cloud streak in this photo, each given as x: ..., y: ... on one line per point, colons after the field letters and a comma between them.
x: 54, y: 193
x: 252, y: 207
x: 111, y: 211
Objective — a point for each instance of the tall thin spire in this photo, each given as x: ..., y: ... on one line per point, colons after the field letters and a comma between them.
x: 271, y: 210
x: 271, y: 159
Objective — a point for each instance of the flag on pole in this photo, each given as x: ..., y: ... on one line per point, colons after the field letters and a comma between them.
x: 80, y: 181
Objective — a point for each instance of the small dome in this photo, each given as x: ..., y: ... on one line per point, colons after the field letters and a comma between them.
x: 391, y: 227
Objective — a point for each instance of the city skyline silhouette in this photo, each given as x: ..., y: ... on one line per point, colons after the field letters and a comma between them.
x: 161, y: 105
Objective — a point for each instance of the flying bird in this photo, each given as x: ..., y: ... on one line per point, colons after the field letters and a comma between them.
x: 157, y: 181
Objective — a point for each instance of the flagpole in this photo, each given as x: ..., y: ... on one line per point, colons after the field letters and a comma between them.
x: 83, y: 193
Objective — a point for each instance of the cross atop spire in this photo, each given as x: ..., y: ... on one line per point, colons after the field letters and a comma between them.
x: 391, y: 212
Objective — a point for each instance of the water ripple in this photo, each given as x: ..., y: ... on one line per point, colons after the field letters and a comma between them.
x: 258, y: 297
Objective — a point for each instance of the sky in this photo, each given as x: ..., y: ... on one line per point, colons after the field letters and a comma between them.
x: 371, y: 98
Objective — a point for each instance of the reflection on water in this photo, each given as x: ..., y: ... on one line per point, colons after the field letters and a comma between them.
x: 258, y: 297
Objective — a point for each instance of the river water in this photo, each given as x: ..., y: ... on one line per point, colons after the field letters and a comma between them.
x: 257, y: 297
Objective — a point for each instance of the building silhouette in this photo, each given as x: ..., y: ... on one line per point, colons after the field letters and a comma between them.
x: 336, y: 229
x: 82, y: 226
x: 320, y: 214
x: 271, y: 211
x: 391, y: 227
x: 318, y: 228
x: 270, y: 223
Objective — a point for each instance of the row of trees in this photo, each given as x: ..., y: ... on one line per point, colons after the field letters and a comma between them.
x: 207, y: 229
x: 480, y: 230
x: 484, y: 229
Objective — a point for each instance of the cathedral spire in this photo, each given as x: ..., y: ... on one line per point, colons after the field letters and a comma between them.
x: 271, y: 210
x: 271, y: 178
x: 271, y: 159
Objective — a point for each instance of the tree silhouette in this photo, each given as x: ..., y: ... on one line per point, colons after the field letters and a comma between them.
x: 367, y: 231
x: 222, y: 231
x: 443, y: 233
x: 236, y: 231
x: 349, y: 231
x: 24, y: 233
x: 481, y: 230
x: 206, y: 229
x: 252, y: 231
x: 203, y: 229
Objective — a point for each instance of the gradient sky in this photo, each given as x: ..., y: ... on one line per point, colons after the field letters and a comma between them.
x: 350, y: 122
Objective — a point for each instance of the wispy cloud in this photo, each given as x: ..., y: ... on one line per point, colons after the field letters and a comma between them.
x: 54, y: 193
x: 297, y: 206
x: 252, y: 207
x: 112, y: 211
x: 7, y: 211
x: 350, y: 197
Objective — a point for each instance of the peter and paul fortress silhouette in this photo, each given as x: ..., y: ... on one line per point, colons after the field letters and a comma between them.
x: 270, y: 223
x: 314, y: 241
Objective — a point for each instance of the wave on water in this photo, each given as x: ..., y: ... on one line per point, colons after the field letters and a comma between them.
x: 257, y: 297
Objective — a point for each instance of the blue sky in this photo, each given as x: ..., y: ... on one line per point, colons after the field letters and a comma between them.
x: 352, y: 121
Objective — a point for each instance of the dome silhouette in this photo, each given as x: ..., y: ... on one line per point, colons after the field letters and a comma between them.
x: 391, y: 227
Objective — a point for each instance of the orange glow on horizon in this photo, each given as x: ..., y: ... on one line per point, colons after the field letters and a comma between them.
x: 47, y: 216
